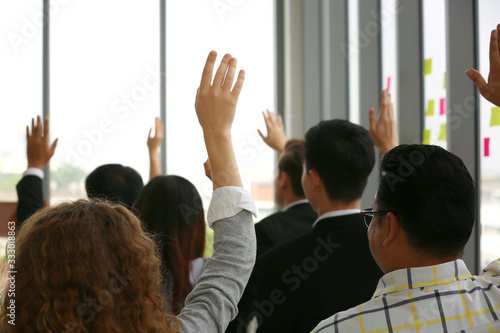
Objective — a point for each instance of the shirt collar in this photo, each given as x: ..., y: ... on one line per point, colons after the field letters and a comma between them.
x: 417, y: 277
x: 295, y: 203
x: 336, y: 213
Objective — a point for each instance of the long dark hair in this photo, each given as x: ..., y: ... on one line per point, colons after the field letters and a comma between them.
x: 171, y: 210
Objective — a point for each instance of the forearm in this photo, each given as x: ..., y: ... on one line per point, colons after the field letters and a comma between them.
x: 154, y: 164
x: 222, y: 159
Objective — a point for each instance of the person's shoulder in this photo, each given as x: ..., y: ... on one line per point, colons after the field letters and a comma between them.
x: 290, y: 249
x: 348, y: 320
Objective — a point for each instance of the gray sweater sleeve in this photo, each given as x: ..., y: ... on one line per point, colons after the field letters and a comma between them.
x: 213, y: 303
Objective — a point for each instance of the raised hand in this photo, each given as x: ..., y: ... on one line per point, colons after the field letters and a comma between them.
x: 39, y: 151
x: 153, y: 143
x: 490, y: 90
x: 276, y: 137
x: 384, y: 131
x: 215, y: 107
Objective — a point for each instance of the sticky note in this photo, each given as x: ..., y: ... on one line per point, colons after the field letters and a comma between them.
x: 427, y: 137
x: 428, y: 66
x: 430, y: 108
x: 444, y: 81
x: 389, y: 83
x: 495, y: 116
x: 442, y: 134
x: 486, y: 147
x: 442, y: 106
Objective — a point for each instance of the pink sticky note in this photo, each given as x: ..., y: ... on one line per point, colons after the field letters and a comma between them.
x: 486, y: 147
x: 389, y: 83
x: 442, y: 106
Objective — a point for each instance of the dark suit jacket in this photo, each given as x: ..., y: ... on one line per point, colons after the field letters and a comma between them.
x: 29, y: 196
x: 298, y: 283
x: 283, y: 226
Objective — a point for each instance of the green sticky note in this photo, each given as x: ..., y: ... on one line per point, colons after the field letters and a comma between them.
x: 427, y: 137
x: 442, y: 134
x: 444, y: 81
x: 430, y: 108
x: 428, y: 66
x: 495, y: 116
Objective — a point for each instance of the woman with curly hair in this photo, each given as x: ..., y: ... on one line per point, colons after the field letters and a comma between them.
x: 171, y: 209
x: 89, y: 267
x: 86, y: 267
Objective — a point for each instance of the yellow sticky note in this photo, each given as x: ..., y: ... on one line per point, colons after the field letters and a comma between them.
x: 430, y: 108
x: 427, y: 137
x: 428, y: 66
x: 495, y: 116
x: 444, y: 81
x: 442, y: 134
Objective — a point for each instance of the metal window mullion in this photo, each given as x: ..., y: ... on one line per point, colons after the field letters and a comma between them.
x: 46, y: 85
x: 163, y: 82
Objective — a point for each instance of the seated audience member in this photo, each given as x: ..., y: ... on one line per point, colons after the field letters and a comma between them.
x: 171, y: 210
x: 421, y: 220
x: 29, y: 189
x: 297, y: 215
x: 298, y: 282
x: 115, y: 183
x: 154, y: 143
x: 88, y: 266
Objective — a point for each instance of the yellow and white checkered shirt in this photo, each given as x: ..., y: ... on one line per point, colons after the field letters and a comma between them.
x: 441, y: 298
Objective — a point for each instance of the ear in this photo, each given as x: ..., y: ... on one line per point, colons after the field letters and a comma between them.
x: 393, y: 229
x: 284, y: 180
x: 315, y: 179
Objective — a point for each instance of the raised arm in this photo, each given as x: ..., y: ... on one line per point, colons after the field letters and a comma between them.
x: 490, y: 90
x: 39, y: 152
x: 276, y: 137
x: 384, y: 131
x: 154, y: 143
x: 214, y: 300
x: 215, y: 107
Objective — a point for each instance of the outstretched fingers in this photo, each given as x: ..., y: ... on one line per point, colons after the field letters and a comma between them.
x: 221, y: 71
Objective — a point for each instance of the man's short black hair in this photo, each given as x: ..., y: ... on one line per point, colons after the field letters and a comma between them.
x: 432, y: 194
x: 342, y: 154
x: 291, y: 161
x: 115, y: 183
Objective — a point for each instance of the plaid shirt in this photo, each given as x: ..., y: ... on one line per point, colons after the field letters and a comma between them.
x: 441, y: 298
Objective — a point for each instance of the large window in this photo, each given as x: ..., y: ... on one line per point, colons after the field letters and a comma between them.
x: 104, y: 58
x: 489, y: 12
x: 246, y: 30
x: 434, y: 72
x: 20, y: 84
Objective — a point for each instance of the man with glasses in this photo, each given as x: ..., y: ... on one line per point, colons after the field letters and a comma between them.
x: 422, y: 218
x: 329, y: 269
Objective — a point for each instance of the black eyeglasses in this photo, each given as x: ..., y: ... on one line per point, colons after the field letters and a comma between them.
x: 368, y: 215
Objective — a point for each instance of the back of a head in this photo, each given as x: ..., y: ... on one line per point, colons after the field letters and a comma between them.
x: 86, y: 266
x: 291, y: 161
x: 171, y: 209
x: 343, y: 155
x: 115, y: 183
x: 432, y: 194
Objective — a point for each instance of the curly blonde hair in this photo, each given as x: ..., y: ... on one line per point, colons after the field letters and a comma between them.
x: 86, y: 266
